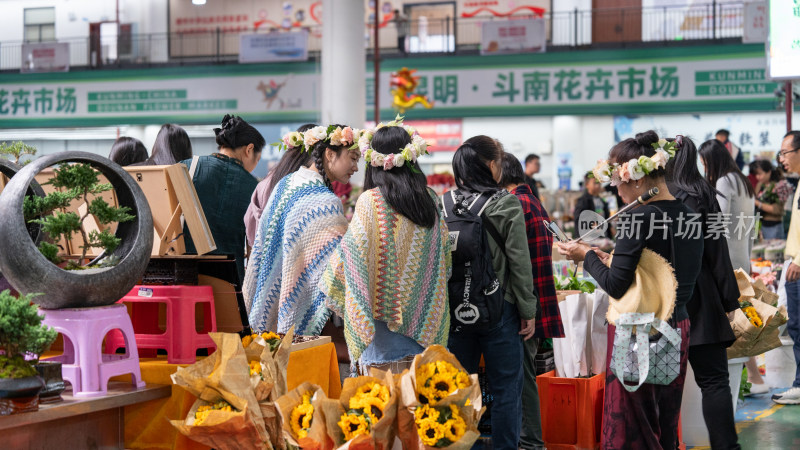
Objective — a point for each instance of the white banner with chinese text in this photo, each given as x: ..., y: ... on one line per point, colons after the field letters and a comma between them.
x: 273, y: 47
x: 512, y: 36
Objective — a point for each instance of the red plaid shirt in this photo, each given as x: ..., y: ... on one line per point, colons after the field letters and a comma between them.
x: 540, y: 245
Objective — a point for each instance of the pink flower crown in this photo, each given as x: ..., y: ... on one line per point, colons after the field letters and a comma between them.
x: 305, y: 140
x: 409, y: 153
x: 636, y: 169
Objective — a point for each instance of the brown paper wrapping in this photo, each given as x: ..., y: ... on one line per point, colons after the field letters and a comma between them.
x: 226, y: 374
x: 406, y: 426
x: 222, y: 430
x: 317, y: 434
x: 382, y: 434
x: 752, y: 340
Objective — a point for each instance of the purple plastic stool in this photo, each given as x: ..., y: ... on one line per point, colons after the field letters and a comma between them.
x: 84, y: 364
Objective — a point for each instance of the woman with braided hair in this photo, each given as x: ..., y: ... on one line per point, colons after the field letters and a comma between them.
x: 299, y: 229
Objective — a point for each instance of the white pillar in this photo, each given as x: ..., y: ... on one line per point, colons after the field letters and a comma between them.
x: 343, y: 63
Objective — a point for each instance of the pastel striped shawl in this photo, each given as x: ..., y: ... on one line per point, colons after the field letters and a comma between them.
x: 387, y: 268
x: 301, y: 226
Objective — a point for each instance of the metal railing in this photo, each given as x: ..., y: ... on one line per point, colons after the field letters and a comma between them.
x: 564, y: 30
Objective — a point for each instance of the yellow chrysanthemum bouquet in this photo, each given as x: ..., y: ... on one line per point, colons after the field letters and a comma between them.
x: 365, y: 412
x: 440, y: 403
x: 301, y: 413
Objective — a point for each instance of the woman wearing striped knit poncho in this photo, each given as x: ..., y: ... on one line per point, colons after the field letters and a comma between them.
x: 299, y: 228
x: 388, y: 278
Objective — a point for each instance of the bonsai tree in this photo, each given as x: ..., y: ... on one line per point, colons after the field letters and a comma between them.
x: 75, y: 181
x: 21, y: 332
x: 17, y: 150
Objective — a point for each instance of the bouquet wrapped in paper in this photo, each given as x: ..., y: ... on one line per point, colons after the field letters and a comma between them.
x: 364, y: 416
x: 756, y: 323
x: 268, y: 356
x: 440, y: 404
x: 301, y: 415
x: 222, y: 381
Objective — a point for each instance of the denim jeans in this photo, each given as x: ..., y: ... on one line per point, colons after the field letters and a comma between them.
x: 773, y: 231
x: 793, y: 308
x: 501, y: 348
x: 531, y: 434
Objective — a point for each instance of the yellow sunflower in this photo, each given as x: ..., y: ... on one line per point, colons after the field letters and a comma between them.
x: 445, y: 368
x: 462, y: 380
x: 426, y: 412
x: 455, y: 427
x: 375, y: 390
x: 430, y: 431
x: 255, y: 367
x: 203, y: 411
x: 371, y: 406
x: 268, y: 336
x: 441, y: 386
x: 302, y: 414
x: 353, y: 425
x: 246, y: 341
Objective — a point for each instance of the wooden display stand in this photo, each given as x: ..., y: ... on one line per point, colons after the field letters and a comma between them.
x: 171, y: 195
x: 78, y: 423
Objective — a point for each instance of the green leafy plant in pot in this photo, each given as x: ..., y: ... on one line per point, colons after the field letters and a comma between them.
x: 76, y: 182
x: 21, y: 333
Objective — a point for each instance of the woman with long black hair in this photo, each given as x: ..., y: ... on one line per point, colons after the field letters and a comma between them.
x: 735, y: 196
x: 388, y: 278
x: 477, y: 166
x: 299, y: 229
x: 715, y: 294
x: 772, y: 191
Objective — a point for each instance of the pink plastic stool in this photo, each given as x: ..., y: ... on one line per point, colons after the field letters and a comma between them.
x: 180, y: 339
x: 83, y: 363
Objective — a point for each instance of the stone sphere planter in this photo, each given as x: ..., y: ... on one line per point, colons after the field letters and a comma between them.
x: 9, y: 169
x: 28, y: 271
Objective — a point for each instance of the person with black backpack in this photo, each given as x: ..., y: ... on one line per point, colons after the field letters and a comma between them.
x: 491, y: 295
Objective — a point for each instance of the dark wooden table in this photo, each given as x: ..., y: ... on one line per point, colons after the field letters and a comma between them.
x: 78, y: 423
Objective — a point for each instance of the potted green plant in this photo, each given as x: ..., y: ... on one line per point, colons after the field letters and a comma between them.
x: 17, y: 150
x: 76, y: 182
x: 21, y: 334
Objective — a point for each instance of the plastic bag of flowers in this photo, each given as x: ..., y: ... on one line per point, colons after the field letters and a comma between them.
x: 364, y: 415
x: 301, y: 415
x: 440, y: 404
x: 225, y: 374
x: 222, y: 424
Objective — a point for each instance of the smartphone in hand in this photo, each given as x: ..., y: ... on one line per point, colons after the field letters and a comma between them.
x: 556, y: 231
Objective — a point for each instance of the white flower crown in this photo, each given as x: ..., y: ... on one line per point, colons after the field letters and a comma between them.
x: 636, y: 169
x: 305, y: 140
x: 410, y: 152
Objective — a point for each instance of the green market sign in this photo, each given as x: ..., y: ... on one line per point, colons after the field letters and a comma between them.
x: 638, y: 81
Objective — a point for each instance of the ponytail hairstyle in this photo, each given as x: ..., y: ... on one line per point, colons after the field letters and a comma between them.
x: 775, y: 173
x: 290, y: 162
x: 236, y: 132
x: 471, y: 164
x: 318, y: 155
x: 172, y: 146
x: 683, y: 174
x: 405, y: 187
x: 719, y: 164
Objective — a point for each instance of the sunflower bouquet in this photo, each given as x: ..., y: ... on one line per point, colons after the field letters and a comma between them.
x: 365, y: 412
x: 755, y: 324
x: 440, y: 403
x: 301, y: 413
x: 268, y: 356
x: 226, y: 414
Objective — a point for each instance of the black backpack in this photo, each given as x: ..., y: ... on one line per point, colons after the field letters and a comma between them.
x: 475, y: 294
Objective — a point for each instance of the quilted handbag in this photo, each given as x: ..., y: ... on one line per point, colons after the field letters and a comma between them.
x: 642, y: 360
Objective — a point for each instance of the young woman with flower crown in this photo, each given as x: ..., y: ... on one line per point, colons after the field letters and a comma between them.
x: 648, y: 417
x: 299, y: 228
x: 388, y: 278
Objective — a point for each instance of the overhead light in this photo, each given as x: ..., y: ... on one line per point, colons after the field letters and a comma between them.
x: 198, y: 2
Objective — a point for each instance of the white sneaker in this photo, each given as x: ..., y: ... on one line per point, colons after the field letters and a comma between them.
x: 790, y: 397
x: 756, y: 389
